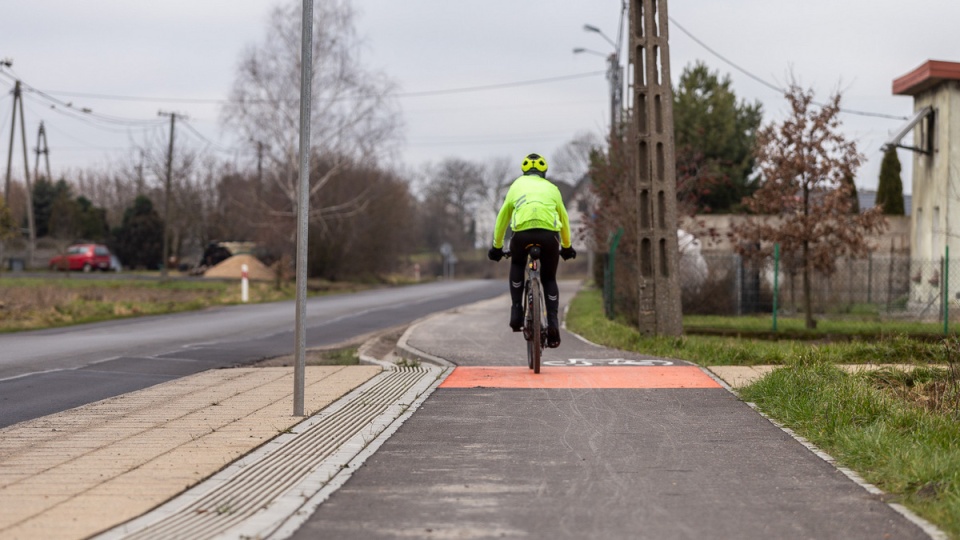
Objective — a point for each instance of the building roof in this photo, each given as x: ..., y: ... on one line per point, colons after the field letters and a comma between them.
x: 925, y: 77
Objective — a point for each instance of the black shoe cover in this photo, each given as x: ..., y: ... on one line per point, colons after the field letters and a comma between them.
x: 553, y: 331
x: 516, y: 318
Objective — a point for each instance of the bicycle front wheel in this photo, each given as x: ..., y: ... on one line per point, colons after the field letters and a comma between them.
x: 535, y: 344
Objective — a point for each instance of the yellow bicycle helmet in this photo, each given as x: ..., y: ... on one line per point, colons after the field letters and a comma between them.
x: 534, y: 161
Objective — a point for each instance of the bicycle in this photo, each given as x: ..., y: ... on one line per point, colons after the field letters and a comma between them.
x: 534, y: 309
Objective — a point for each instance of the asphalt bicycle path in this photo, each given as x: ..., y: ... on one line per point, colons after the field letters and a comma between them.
x: 601, y: 444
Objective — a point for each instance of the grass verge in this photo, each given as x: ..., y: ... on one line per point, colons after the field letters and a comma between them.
x: 902, y: 447
x: 793, y: 327
x: 586, y: 318
x: 31, y: 304
x: 899, y: 430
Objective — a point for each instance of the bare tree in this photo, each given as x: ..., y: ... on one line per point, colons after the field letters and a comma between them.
x: 454, y: 192
x: 803, y: 200
x: 353, y: 120
x: 497, y: 175
x: 572, y: 160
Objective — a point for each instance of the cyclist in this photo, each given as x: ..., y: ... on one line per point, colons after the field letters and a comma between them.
x: 534, y: 210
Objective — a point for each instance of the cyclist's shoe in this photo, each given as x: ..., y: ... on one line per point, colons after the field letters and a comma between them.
x: 516, y: 318
x: 553, y: 331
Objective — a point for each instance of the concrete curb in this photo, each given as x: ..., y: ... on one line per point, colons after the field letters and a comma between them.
x: 405, y: 350
x: 926, y: 526
x: 296, y: 520
x: 366, y: 358
x: 929, y: 528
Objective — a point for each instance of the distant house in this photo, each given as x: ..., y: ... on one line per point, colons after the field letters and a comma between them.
x: 935, y: 125
x: 580, y: 202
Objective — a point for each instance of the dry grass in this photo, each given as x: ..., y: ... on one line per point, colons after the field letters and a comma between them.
x: 29, y: 304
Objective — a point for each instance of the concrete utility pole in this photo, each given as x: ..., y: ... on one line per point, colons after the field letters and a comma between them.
x: 13, y: 131
x: 18, y: 100
x: 654, y: 170
x: 42, y: 148
x: 166, y: 205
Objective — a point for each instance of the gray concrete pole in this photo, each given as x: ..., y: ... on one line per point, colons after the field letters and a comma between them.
x: 166, y: 197
x: 31, y: 224
x: 651, y: 143
x: 13, y: 126
x: 303, y: 205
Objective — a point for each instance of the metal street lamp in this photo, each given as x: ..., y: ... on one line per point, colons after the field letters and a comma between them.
x: 579, y: 50
x: 614, y: 76
x: 591, y: 28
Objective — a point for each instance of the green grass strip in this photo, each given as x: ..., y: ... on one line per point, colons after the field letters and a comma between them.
x: 911, y: 453
x: 900, y: 447
x: 586, y: 318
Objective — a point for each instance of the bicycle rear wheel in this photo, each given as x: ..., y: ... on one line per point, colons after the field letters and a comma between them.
x: 535, y: 344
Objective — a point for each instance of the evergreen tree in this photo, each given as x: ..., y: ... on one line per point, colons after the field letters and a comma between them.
x: 91, y: 220
x: 890, y: 188
x: 715, y: 137
x: 45, y: 195
x: 8, y: 230
x: 138, y: 241
x: 851, y: 185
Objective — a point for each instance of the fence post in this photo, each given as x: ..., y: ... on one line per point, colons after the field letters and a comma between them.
x: 946, y: 291
x: 776, y: 283
x: 608, y: 276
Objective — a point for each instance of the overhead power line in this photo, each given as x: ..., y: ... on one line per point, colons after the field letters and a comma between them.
x: 147, y: 99
x: 425, y: 93
x: 82, y: 110
x: 765, y: 83
x: 205, y: 139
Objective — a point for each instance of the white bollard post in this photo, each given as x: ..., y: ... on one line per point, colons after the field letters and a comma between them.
x: 244, y: 284
x: 416, y: 272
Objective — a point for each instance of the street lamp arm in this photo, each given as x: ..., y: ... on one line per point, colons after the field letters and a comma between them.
x: 579, y: 50
x: 591, y: 28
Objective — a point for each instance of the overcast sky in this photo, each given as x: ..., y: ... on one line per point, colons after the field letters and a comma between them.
x: 186, y: 52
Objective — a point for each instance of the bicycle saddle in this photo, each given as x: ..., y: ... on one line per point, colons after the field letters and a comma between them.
x: 534, y: 251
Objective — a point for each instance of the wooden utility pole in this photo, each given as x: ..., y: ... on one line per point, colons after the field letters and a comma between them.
x: 166, y: 196
x: 654, y: 170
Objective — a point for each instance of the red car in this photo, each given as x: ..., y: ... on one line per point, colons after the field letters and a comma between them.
x: 84, y: 257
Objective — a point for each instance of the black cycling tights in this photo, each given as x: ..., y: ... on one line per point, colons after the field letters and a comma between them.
x: 549, y: 242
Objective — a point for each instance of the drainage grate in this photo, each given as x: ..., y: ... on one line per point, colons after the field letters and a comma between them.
x: 258, y: 493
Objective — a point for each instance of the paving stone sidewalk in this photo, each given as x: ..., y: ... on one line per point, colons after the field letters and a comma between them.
x: 82, y: 471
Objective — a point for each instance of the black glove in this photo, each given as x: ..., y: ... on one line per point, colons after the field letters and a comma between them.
x: 568, y: 253
x: 495, y: 254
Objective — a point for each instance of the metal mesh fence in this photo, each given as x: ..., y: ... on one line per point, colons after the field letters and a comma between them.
x: 879, y: 287
x: 895, y: 287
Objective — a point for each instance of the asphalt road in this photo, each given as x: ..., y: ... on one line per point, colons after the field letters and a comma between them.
x: 43, y: 372
x: 575, y: 461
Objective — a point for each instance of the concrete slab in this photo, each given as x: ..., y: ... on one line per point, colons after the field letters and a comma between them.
x: 740, y: 376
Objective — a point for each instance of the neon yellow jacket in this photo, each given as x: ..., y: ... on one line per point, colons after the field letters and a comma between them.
x: 532, y: 202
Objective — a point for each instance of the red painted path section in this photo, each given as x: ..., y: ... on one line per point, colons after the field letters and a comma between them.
x: 579, y: 377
